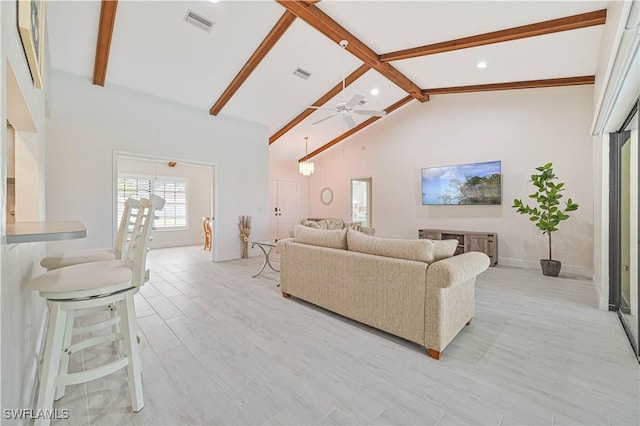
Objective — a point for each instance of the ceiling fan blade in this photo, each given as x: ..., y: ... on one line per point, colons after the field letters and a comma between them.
x: 370, y: 112
x: 323, y: 119
x: 349, y: 120
x: 354, y: 101
x: 317, y: 107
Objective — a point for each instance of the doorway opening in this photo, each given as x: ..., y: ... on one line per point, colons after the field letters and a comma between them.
x: 361, y: 201
x: 188, y: 188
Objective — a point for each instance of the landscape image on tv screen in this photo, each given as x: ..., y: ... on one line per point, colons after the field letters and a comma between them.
x: 477, y: 183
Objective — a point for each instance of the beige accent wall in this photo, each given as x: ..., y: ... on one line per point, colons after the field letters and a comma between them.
x: 521, y: 128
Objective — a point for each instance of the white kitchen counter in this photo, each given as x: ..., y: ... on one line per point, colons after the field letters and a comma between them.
x: 33, y: 232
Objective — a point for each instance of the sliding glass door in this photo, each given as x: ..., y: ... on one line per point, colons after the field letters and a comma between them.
x: 624, y: 228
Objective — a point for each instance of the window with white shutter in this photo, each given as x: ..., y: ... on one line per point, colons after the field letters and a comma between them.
x: 174, y: 213
x: 174, y: 191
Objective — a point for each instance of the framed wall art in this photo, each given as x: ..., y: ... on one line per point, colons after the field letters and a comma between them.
x: 31, y: 20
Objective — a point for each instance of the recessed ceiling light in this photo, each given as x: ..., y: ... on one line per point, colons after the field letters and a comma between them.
x: 481, y: 65
x: 375, y: 91
x: 214, y: 1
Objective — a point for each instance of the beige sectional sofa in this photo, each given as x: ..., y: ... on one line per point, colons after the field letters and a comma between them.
x: 410, y: 288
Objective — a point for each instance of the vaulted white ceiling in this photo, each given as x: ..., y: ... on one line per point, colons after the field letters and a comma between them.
x: 155, y: 51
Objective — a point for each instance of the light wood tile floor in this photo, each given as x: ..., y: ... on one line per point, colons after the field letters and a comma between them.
x: 223, y: 348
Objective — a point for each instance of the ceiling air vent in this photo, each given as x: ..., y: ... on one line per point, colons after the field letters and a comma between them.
x: 302, y: 73
x: 198, y: 21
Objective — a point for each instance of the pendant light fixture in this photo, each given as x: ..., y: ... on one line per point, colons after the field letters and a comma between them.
x: 306, y: 167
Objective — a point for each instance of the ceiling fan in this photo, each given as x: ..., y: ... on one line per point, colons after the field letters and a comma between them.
x: 347, y: 108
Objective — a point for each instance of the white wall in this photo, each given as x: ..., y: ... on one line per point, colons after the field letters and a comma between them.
x: 27, y: 173
x: 612, y: 32
x: 522, y: 128
x: 616, y: 88
x: 11, y: 152
x: 601, y: 219
x: 200, y: 189
x: 88, y: 123
x: 22, y: 310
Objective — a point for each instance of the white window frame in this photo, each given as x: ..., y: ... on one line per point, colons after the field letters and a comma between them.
x: 158, y: 226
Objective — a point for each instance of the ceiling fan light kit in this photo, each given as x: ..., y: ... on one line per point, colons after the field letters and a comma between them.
x: 347, y: 108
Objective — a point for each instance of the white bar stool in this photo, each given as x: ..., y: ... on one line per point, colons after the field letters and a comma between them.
x: 76, y: 257
x: 90, y: 286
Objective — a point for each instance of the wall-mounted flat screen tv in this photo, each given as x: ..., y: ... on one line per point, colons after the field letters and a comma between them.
x: 464, y: 184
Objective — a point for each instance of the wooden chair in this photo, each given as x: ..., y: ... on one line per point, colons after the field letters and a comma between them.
x: 206, y: 224
x: 90, y: 286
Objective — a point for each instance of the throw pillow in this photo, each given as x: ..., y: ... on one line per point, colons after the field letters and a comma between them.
x: 418, y: 250
x: 310, y: 224
x: 334, y: 223
x: 335, y: 238
x: 443, y: 249
x: 356, y: 226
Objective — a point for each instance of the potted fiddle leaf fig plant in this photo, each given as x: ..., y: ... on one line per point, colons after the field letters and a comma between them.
x: 548, y: 213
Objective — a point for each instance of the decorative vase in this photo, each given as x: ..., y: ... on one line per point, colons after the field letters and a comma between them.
x: 245, y: 249
x: 550, y: 268
x: 244, y: 225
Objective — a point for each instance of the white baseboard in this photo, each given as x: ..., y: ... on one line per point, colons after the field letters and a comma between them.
x: 31, y: 380
x: 530, y: 264
x: 603, y: 303
x: 603, y: 299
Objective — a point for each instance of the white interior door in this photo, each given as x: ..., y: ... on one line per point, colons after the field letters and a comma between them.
x: 283, y: 208
x: 273, y: 209
x: 288, y: 208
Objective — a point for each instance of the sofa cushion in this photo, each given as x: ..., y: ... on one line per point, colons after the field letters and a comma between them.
x: 368, y: 230
x: 76, y: 257
x: 443, y: 249
x: 331, y: 238
x: 419, y: 250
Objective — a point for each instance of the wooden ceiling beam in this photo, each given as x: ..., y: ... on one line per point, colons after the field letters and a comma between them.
x: 330, y: 28
x: 574, y: 22
x: 267, y: 44
x: 356, y: 129
x: 103, y: 46
x: 321, y: 101
x: 531, y: 84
